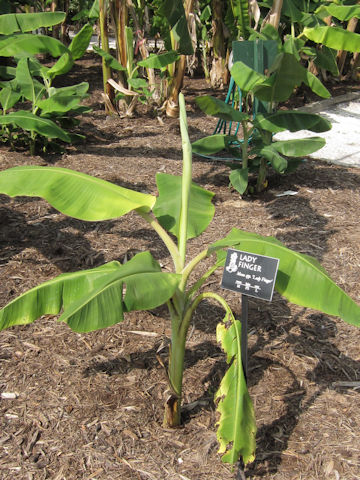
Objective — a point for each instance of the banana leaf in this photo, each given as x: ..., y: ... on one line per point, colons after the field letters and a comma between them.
x: 301, y: 279
x: 173, y: 11
x: 30, y: 87
x: 168, y: 205
x: 159, y: 61
x: 93, y: 299
x: 217, y: 108
x: 299, y: 147
x: 341, y: 12
x: 28, y: 44
x: 73, y: 193
x: 212, y: 144
x: 8, y: 98
x: 236, y: 426
x: 81, y: 41
x: 292, y: 121
x: 30, y: 122
x: 26, y: 22
x: 110, y: 61
x: 334, y: 37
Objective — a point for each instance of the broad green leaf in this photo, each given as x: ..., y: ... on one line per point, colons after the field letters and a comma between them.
x: 278, y: 162
x: 334, y: 37
x: 50, y: 297
x: 299, y: 147
x: 326, y: 59
x: 217, y: 108
x: 26, y: 22
x: 301, y: 279
x: 110, y: 61
x: 287, y: 73
x: 30, y: 122
x: 239, y: 179
x: 60, y: 102
x: 212, y: 144
x: 62, y: 66
x: 292, y: 121
x: 30, y: 87
x: 237, y: 425
x: 6, y: 72
x: 168, y: 205
x: 316, y: 86
x: 159, y: 61
x: 290, y: 9
x: 245, y: 77
x: 28, y: 44
x: 173, y: 11
x: 73, y: 193
x: 93, y: 299
x: 81, y: 41
x: 146, y: 287
x: 341, y: 12
x: 8, y: 98
x: 94, y: 10
x: 77, y: 89
x: 240, y: 11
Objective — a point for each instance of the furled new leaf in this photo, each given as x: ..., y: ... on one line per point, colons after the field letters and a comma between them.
x: 301, y: 279
x: 236, y: 426
x: 30, y: 122
x: 73, y: 193
x: 93, y: 299
x: 168, y: 205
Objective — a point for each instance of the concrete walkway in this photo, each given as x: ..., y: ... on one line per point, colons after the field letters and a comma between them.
x: 343, y: 140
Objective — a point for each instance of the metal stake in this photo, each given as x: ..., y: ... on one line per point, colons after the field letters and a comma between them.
x: 244, y: 333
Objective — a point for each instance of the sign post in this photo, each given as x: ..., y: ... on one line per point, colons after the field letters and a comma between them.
x: 252, y: 275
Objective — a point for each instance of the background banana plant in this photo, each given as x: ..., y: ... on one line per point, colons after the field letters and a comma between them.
x: 50, y: 107
x: 256, y: 151
x: 100, y: 297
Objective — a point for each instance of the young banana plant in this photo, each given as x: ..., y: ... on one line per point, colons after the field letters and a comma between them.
x: 96, y: 298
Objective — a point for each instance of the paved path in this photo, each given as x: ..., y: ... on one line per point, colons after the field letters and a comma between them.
x: 343, y: 140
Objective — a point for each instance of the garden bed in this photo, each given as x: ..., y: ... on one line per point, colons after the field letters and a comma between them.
x: 90, y: 406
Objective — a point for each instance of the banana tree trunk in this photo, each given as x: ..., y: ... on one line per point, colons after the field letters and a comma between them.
x: 341, y: 56
x: 108, y: 92
x: 218, y: 72
x: 142, y: 46
x: 172, y: 104
x: 273, y: 17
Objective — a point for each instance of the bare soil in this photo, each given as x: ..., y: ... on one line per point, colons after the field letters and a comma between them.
x: 90, y: 406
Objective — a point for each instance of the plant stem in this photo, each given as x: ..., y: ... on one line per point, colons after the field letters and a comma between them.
x: 165, y: 237
x: 186, y: 179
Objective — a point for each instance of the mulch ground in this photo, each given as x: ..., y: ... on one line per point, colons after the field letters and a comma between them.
x: 90, y: 406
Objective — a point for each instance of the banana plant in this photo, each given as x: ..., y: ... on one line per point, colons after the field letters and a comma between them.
x: 51, y: 108
x: 256, y: 151
x: 97, y: 298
